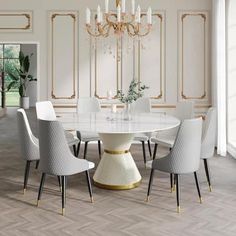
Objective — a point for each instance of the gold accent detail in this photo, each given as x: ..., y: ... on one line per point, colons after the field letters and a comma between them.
x: 178, y: 209
x: 37, y: 204
x: 160, y: 95
x: 91, y: 199
x: 63, y: 211
x: 26, y: 27
x: 182, y: 67
x: 210, y: 188
x: 118, y: 187
x: 147, y: 199
x: 118, y: 3
x: 24, y: 190
x: 116, y: 152
x: 174, y: 187
x: 73, y: 16
x: 200, y: 200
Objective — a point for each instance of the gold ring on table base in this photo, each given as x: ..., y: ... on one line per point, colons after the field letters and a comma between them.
x: 116, y: 152
x: 117, y: 187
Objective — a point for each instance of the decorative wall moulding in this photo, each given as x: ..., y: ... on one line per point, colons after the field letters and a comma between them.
x: 16, y: 21
x: 194, y: 53
x: 63, y: 55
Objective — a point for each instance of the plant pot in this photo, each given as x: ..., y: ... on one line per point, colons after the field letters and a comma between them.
x: 24, y: 102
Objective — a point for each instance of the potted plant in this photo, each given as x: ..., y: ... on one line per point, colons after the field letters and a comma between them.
x: 21, y: 79
x: 135, y: 91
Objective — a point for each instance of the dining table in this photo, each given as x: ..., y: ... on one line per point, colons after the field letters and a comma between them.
x: 117, y: 169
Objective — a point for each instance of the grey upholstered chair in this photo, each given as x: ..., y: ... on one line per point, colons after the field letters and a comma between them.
x: 183, y: 158
x: 45, y: 111
x: 143, y: 105
x: 184, y: 110
x: 28, y: 143
x: 208, y: 140
x: 88, y: 105
x: 56, y: 158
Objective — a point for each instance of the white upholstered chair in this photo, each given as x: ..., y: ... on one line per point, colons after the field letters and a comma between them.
x: 208, y: 140
x: 28, y: 143
x: 143, y: 105
x: 184, y: 157
x: 45, y: 111
x: 88, y: 105
x: 184, y: 110
x: 56, y: 158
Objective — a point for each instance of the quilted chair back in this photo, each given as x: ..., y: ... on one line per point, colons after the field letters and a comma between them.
x: 185, y: 110
x: 28, y: 142
x: 45, y: 111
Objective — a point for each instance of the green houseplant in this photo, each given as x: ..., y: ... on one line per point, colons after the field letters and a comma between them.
x: 21, y: 79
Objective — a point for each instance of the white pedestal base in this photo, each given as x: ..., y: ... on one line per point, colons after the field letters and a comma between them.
x: 117, y: 169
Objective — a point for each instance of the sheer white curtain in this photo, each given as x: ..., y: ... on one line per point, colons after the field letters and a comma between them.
x: 219, y: 71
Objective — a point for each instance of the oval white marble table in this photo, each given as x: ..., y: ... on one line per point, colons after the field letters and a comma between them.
x: 117, y: 169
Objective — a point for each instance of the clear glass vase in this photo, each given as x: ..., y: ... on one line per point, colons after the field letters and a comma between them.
x: 127, y: 112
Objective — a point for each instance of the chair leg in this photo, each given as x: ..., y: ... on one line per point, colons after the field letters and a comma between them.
x: 59, y: 182
x: 197, y: 185
x: 144, y: 152
x: 177, y: 192
x: 155, y: 151
x: 78, y: 149
x: 99, y: 149
x: 89, y: 186
x: 41, y: 187
x: 74, y: 150
x: 149, y: 148
x: 63, y: 194
x: 26, y: 176
x: 171, y: 182
x: 37, y: 165
x: 207, y: 174
x: 150, y: 184
x: 85, y: 149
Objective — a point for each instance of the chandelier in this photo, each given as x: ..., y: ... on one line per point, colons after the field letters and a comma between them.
x: 119, y: 22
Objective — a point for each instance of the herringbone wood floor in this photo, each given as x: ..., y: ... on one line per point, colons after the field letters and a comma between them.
x: 114, y: 212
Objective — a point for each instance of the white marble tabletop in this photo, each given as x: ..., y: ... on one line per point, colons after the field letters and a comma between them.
x: 114, y: 122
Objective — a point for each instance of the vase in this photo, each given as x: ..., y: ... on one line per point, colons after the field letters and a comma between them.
x: 24, y: 102
x: 127, y: 112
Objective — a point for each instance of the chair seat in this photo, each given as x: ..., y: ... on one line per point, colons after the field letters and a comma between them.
x: 71, y: 139
x: 89, y: 136
x: 164, y: 140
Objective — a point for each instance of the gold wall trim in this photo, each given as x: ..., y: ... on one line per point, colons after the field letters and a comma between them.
x: 160, y: 95
x: 53, y: 17
x: 204, y: 94
x: 26, y: 27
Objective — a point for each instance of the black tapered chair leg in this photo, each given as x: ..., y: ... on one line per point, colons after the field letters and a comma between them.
x: 41, y: 187
x: 78, y: 149
x: 37, y: 165
x: 207, y: 174
x: 198, y: 188
x: 171, y: 182
x: 85, y: 149
x: 177, y: 192
x: 99, y: 149
x: 155, y: 151
x: 74, y: 149
x: 59, y: 181
x: 89, y: 185
x: 63, y: 194
x: 150, y: 184
x: 144, y: 152
x: 149, y: 148
x: 26, y: 176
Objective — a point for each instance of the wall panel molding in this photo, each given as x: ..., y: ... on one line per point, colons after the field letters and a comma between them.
x: 193, y: 56
x: 16, y: 21
x: 63, y: 55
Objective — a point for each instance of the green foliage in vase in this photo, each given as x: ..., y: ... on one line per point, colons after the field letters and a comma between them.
x: 135, y: 91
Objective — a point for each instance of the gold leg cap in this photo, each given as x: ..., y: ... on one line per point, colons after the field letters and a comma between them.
x: 24, y: 190
x: 147, y: 199
x: 37, y: 204
x: 63, y: 211
x: 210, y: 188
x: 178, y: 209
x: 200, y: 199
x: 174, y: 188
x: 91, y: 199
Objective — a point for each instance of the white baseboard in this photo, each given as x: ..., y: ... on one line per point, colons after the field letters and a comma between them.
x: 231, y: 150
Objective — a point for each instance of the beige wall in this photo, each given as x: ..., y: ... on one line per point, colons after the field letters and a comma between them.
x: 172, y: 48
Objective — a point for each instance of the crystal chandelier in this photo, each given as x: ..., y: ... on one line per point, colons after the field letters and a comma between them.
x: 119, y: 22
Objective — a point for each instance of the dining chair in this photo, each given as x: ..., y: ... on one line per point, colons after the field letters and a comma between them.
x: 143, y: 105
x: 28, y: 143
x: 45, y: 111
x: 184, y: 110
x: 88, y: 105
x: 56, y: 158
x: 184, y: 157
x: 208, y: 140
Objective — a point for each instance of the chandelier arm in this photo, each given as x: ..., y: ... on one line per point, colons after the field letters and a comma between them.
x: 128, y: 26
x: 103, y: 31
x: 146, y: 33
x: 88, y: 27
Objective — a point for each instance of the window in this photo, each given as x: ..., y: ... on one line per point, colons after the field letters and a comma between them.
x: 9, y: 61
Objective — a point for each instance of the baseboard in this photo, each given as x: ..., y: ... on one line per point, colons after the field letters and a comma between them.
x: 231, y: 150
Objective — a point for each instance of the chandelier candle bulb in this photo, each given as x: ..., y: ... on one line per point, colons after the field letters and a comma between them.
x: 149, y: 16
x: 106, y: 6
x: 98, y: 14
x: 88, y: 16
x: 138, y: 14
x: 133, y: 7
x: 118, y: 14
x: 123, y: 6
